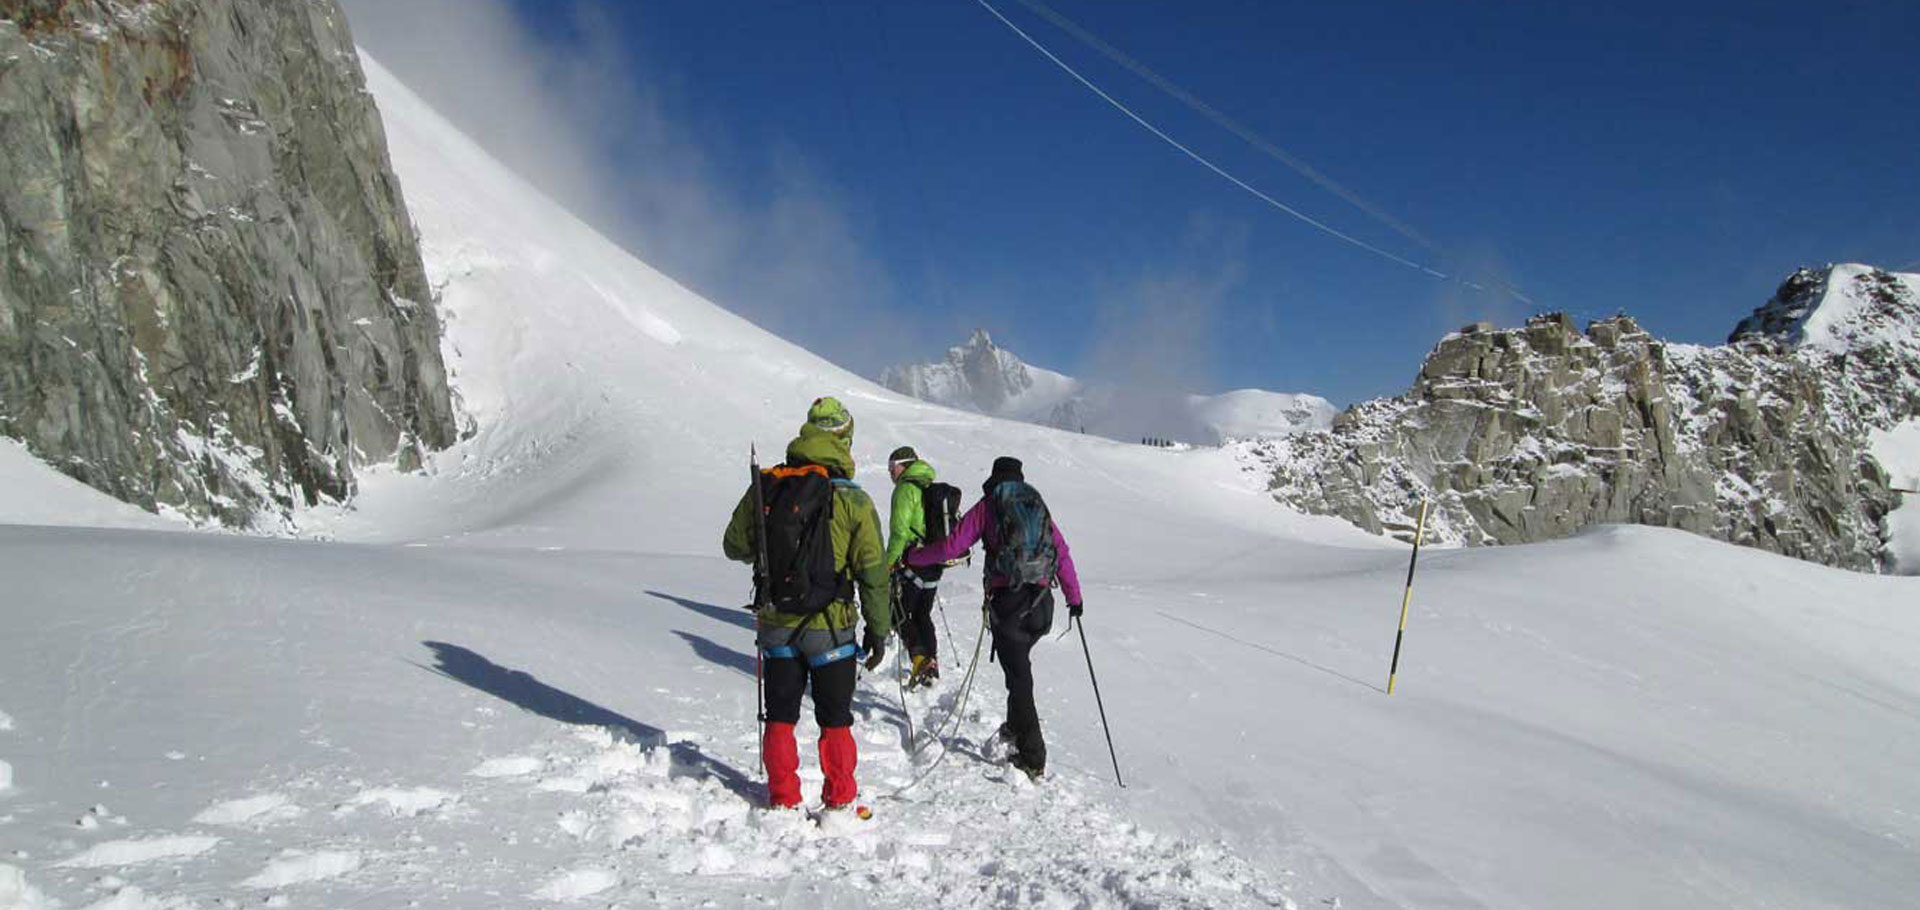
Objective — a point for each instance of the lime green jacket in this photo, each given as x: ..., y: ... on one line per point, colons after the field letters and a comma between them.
x: 855, y: 527
x: 907, y: 516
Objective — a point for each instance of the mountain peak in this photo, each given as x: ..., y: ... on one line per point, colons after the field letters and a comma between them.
x: 1837, y: 308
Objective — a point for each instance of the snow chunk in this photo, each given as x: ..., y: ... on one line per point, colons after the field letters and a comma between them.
x: 6, y: 775
x: 575, y: 884
x: 6, y: 721
x: 296, y: 867
x: 16, y: 894
x: 267, y: 807
x: 508, y: 766
x: 399, y: 803
x: 140, y: 850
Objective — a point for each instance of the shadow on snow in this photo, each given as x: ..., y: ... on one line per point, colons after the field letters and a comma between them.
x: 521, y: 689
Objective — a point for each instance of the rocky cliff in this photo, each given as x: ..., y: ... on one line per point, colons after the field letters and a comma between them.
x: 211, y: 295
x: 1534, y: 433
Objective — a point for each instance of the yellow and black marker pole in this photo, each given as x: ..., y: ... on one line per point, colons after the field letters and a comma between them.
x: 1406, y: 599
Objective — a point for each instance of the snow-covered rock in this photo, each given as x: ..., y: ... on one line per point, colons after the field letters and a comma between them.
x: 983, y: 377
x: 1538, y: 432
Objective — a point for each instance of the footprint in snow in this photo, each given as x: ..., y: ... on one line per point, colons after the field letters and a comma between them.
x: 266, y: 808
x: 574, y: 884
x: 140, y: 850
x: 398, y: 803
x: 509, y: 766
x: 297, y: 867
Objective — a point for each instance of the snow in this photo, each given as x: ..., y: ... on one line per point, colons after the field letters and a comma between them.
x: 133, y: 898
x: 1844, y: 320
x: 265, y: 808
x: 140, y: 850
x: 299, y: 868
x: 510, y: 766
x: 1898, y: 451
x: 16, y: 893
x: 574, y: 884
x: 33, y: 493
x: 523, y: 675
x: 984, y: 378
x: 1252, y: 413
x: 398, y: 803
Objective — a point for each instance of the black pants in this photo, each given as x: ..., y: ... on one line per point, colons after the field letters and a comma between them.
x: 1021, y: 616
x: 787, y: 679
x: 913, y: 613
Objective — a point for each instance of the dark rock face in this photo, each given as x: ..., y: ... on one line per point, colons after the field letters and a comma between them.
x: 211, y: 295
x: 1534, y: 433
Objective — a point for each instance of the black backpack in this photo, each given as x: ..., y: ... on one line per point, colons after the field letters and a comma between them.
x: 941, y: 505
x: 1023, y: 552
x: 799, y: 509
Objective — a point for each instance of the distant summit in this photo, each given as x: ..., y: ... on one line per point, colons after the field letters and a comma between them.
x: 983, y: 377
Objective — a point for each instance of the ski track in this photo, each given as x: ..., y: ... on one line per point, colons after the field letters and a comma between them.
x: 649, y: 824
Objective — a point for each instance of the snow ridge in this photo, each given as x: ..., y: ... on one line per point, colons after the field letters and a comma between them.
x: 982, y: 377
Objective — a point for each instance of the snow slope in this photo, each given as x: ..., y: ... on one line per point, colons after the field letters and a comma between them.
x: 1898, y: 451
x: 523, y: 680
x: 982, y: 377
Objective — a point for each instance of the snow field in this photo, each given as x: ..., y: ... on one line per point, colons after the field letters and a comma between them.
x: 1632, y: 718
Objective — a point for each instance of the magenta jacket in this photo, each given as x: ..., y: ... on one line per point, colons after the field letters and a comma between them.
x: 972, y: 527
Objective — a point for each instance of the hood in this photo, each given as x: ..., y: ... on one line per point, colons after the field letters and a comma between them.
x: 817, y: 446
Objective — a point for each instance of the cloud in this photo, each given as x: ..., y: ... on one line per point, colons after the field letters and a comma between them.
x: 570, y: 108
x: 1479, y: 291
x: 1156, y: 336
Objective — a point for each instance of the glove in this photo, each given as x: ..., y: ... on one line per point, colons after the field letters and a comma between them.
x: 1074, y: 610
x: 876, y: 648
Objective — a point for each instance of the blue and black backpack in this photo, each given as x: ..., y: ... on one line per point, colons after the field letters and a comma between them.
x: 1023, y: 553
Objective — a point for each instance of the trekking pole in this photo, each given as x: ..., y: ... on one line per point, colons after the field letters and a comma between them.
x: 1406, y: 599
x: 1102, y: 706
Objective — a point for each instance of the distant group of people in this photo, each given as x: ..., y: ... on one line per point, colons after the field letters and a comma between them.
x: 814, y: 538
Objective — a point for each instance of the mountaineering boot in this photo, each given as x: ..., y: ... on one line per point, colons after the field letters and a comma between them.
x: 1033, y: 771
x: 925, y: 671
x: 783, y: 766
x: 838, y: 756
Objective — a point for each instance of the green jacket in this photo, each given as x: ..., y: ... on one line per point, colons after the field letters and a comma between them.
x: 855, y: 527
x: 907, y: 517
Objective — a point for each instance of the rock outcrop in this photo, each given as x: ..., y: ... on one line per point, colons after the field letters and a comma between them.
x: 211, y: 294
x: 1537, y: 432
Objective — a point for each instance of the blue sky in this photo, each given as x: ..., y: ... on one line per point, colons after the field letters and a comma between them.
x: 874, y: 179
